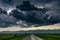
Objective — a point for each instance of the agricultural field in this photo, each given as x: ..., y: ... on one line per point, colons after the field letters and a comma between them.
x: 22, y: 36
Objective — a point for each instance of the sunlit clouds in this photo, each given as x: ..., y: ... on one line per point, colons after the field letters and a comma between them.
x: 18, y: 28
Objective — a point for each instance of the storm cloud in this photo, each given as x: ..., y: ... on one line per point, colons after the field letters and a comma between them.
x: 35, y: 15
x: 5, y: 19
x: 31, y: 12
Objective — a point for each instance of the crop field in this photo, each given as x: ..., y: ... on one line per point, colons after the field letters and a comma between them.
x: 22, y: 36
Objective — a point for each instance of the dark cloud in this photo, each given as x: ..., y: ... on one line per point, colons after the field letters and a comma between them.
x: 38, y: 12
x: 8, y: 1
x: 38, y: 16
x: 5, y: 19
x: 18, y: 15
x: 2, y: 11
x: 26, y: 6
x: 31, y: 15
x: 7, y: 4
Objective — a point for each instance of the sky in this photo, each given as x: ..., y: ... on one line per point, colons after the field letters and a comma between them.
x: 29, y: 14
x: 18, y: 28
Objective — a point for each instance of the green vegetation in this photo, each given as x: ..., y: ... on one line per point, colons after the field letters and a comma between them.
x: 49, y: 36
x: 21, y: 36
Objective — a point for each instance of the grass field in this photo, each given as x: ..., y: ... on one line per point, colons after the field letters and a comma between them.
x: 22, y: 36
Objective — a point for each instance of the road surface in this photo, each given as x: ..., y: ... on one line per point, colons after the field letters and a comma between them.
x: 32, y: 37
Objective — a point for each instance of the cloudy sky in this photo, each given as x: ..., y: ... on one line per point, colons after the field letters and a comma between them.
x: 27, y: 15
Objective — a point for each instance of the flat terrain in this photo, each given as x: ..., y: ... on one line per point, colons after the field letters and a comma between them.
x: 22, y: 36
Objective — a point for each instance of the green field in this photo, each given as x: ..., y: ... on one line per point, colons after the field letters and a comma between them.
x: 22, y: 36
